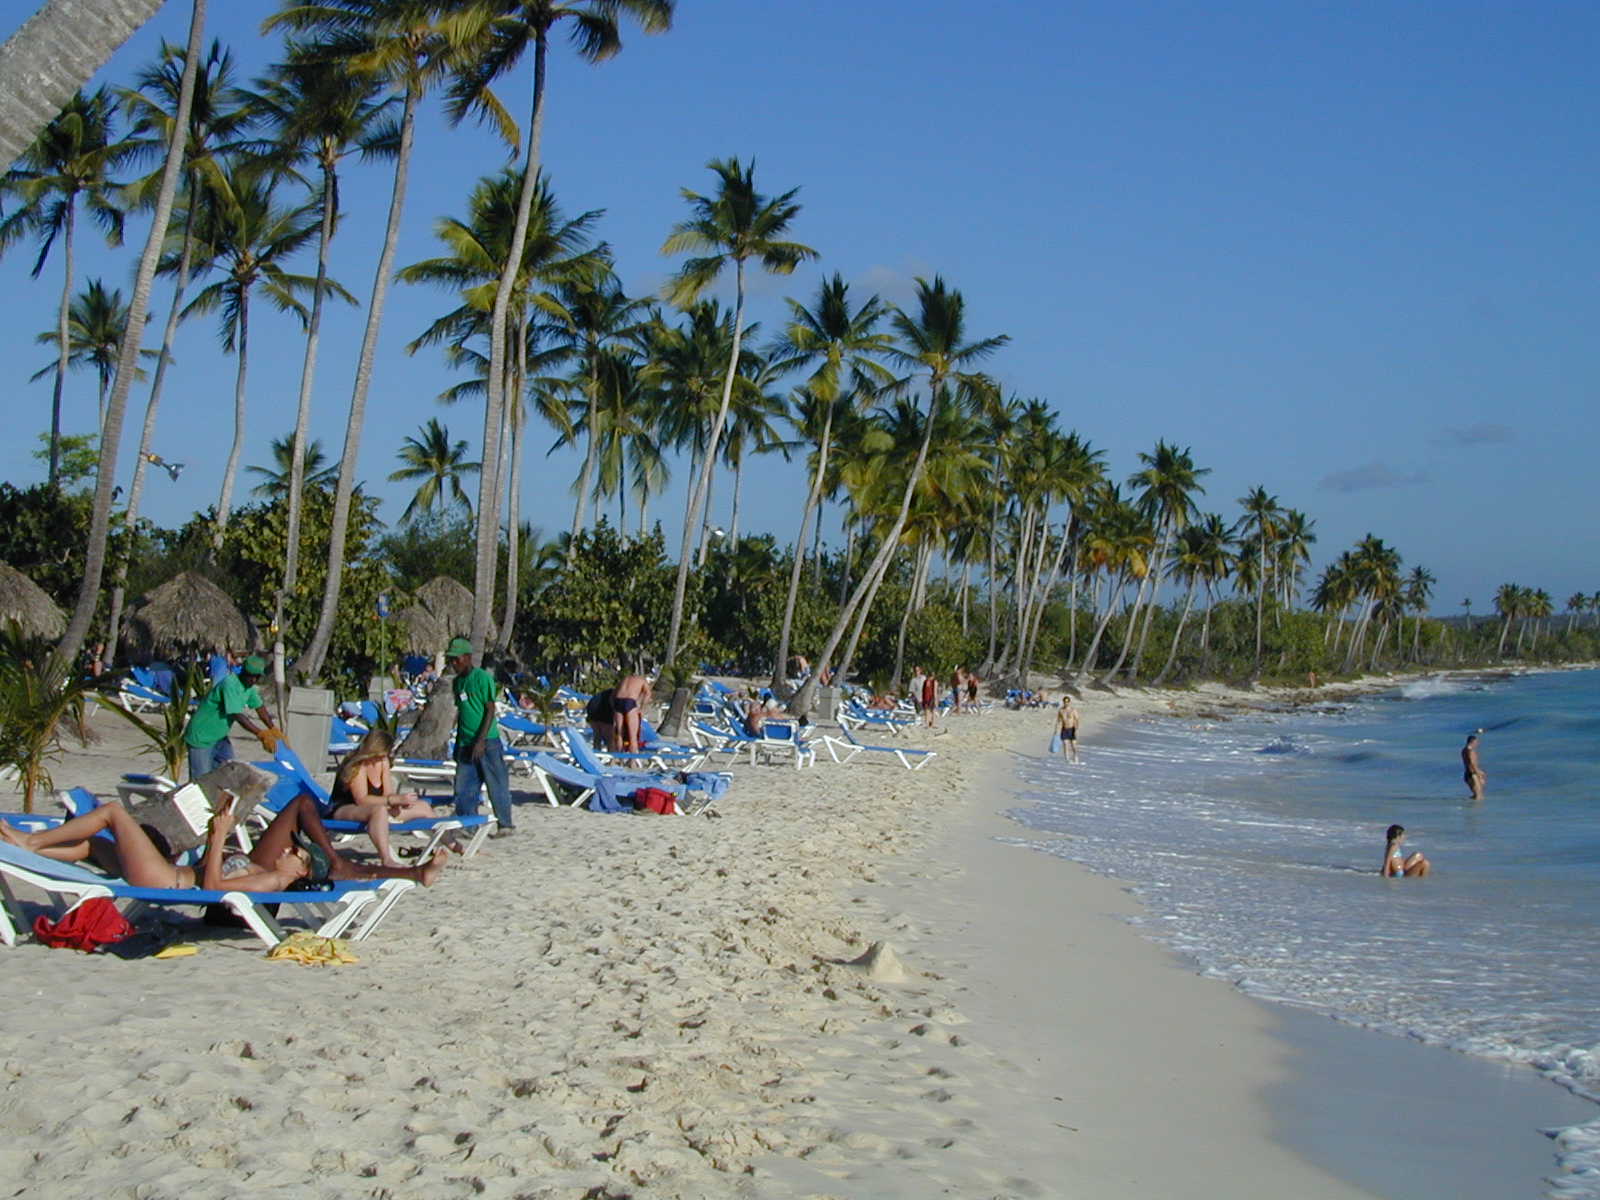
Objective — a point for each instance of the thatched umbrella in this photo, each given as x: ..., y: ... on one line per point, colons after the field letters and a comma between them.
x: 424, y: 633
x: 188, y: 612
x: 29, y: 605
x: 450, y: 603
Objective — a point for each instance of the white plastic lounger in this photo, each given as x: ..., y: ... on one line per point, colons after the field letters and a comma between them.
x: 911, y: 760
x: 335, y: 912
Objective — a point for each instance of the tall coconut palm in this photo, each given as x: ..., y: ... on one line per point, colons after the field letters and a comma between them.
x: 933, y: 342
x: 411, y: 47
x: 95, y: 322
x: 597, y: 317
x: 1202, y: 554
x: 752, y: 426
x: 440, y: 464
x: 1167, y: 487
x: 510, y: 28
x: 843, y: 348
x: 1118, y: 539
x: 319, y: 110
x: 70, y: 163
x: 278, y: 480
x: 219, y: 116
x: 1261, y: 517
x: 94, y: 557
x: 1576, y: 603
x: 247, y: 238
x: 53, y: 54
x: 1418, y: 591
x: 732, y: 227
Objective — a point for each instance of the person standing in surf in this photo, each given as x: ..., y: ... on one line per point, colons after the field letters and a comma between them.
x: 1067, y: 725
x: 1472, y: 772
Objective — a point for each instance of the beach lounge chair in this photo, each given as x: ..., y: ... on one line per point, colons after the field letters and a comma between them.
x: 854, y: 714
x: 295, y: 779
x: 331, y: 914
x: 848, y: 747
x: 784, y: 739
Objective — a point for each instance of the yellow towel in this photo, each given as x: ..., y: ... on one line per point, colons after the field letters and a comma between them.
x: 312, y: 951
x: 181, y: 950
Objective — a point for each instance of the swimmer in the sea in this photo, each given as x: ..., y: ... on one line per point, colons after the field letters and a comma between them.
x: 1471, y: 772
x: 1396, y: 863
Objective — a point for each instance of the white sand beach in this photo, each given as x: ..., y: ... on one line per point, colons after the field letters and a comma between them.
x: 610, y: 1006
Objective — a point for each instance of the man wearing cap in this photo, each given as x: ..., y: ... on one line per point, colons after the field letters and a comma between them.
x: 230, y: 701
x: 479, y: 761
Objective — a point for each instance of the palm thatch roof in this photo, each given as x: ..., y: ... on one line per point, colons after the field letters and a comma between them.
x: 449, y: 602
x: 29, y: 605
x: 424, y: 633
x: 188, y: 612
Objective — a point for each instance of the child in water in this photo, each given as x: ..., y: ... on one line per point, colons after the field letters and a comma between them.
x: 1395, y: 862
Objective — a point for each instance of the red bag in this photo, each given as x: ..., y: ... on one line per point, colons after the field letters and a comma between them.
x: 95, y: 922
x: 656, y: 800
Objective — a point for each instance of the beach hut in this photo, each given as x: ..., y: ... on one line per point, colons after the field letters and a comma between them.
x: 450, y: 603
x: 29, y: 605
x: 421, y: 631
x: 186, y: 613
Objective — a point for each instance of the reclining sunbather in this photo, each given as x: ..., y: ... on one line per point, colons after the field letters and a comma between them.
x: 364, y: 790
x: 272, y: 865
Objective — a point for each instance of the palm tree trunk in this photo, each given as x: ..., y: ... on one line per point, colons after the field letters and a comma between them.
x: 231, y: 471
x: 1172, y: 654
x: 1150, y: 608
x: 147, y: 435
x: 705, y: 522
x: 1100, y: 628
x: 702, y: 484
x: 994, y: 533
x: 802, y: 701
x: 94, y: 558
x: 862, y: 613
x: 310, y: 662
x: 54, y: 53
x: 519, y: 421
x: 493, y: 409
x: 813, y: 494
x: 1038, y: 617
x: 924, y: 556
x: 966, y: 597
x: 590, y: 451
x: 63, y: 339
x: 1130, y: 633
x: 733, y: 518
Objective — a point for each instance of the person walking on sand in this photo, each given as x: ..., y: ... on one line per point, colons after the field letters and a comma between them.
x: 480, y: 762
x: 1471, y: 772
x: 1395, y: 861
x: 231, y: 701
x: 1067, y: 725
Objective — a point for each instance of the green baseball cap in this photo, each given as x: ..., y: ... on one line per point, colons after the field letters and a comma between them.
x: 457, y: 647
x: 254, y: 665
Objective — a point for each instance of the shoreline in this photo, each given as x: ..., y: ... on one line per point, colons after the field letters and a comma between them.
x: 676, y: 1007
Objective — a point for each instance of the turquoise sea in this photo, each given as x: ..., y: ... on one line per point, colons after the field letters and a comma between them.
x: 1254, y: 844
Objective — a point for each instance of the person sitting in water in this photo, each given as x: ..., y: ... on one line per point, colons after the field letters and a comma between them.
x: 1395, y: 861
x: 274, y: 863
x: 364, y: 790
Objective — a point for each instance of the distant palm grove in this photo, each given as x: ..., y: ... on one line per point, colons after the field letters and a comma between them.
x: 978, y: 530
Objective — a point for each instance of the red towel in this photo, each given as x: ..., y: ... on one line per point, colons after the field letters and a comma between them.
x: 95, y: 922
x: 656, y: 800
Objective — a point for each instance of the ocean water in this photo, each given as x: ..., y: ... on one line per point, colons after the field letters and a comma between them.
x: 1255, y: 842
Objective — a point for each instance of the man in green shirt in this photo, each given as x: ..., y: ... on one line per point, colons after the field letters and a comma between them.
x: 230, y: 701
x: 480, y: 762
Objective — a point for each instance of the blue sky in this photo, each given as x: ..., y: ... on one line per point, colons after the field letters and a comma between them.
x: 1345, y: 252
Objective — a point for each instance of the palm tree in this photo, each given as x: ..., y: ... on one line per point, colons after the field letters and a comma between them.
x: 94, y: 557
x: 934, y: 341
x: 218, y: 116
x: 278, y: 480
x: 842, y: 346
x: 1508, y: 604
x: 751, y: 426
x: 735, y: 225
x: 1261, y: 517
x: 410, y: 46
x: 1118, y: 537
x: 248, y: 237
x: 439, y: 464
x: 72, y: 160
x: 95, y: 322
x: 1418, y: 591
x: 1576, y: 603
x: 320, y: 110
x: 1203, y: 554
x: 510, y: 28
x: 53, y: 54
x: 1167, y: 485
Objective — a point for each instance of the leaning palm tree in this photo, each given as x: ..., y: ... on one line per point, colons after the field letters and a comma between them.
x: 411, y: 47
x: 219, y: 116
x: 94, y: 556
x: 440, y: 464
x: 248, y: 238
x: 1261, y: 515
x: 1202, y: 553
x: 509, y: 29
x: 278, y: 480
x: 1168, y: 484
x: 934, y: 341
x: 1418, y: 591
x: 734, y: 226
x: 70, y: 163
x: 843, y: 348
